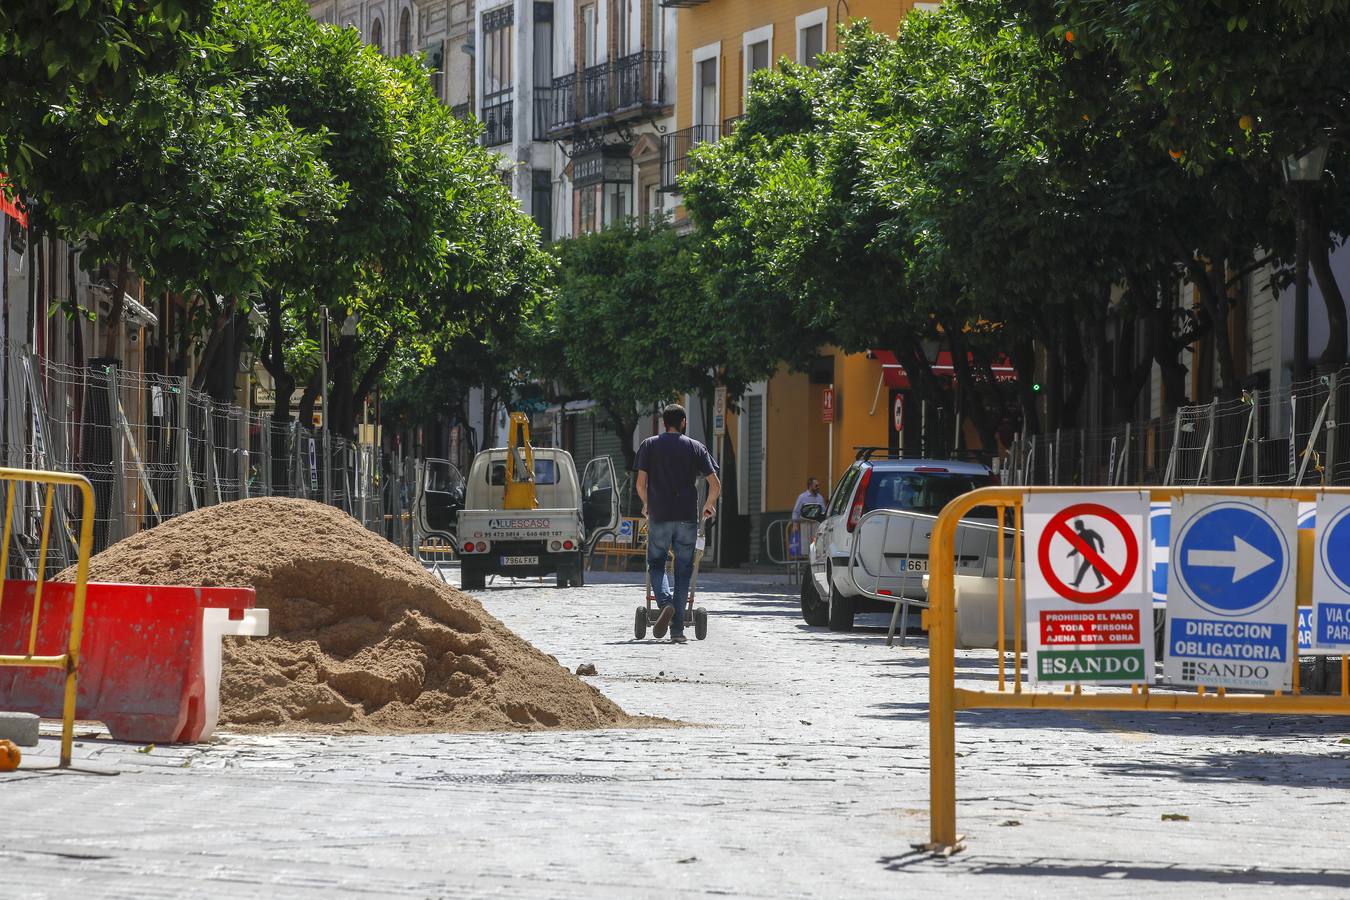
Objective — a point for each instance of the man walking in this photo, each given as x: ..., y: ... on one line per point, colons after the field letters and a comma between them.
x: 669, y: 466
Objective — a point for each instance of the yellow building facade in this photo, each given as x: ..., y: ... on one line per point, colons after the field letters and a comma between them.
x: 780, y: 435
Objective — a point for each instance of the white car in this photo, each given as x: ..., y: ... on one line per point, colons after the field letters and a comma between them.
x: 829, y: 596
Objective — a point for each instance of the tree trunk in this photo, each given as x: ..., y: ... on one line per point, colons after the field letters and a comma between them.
x: 1211, y: 283
x: 220, y: 329
x: 274, y: 360
x: 372, y: 374
x: 305, y: 412
x: 76, y: 318
x: 1024, y: 361
x: 1074, y: 375
x: 115, y: 307
x: 972, y: 400
x: 624, y: 428
x: 1319, y: 258
x: 919, y: 368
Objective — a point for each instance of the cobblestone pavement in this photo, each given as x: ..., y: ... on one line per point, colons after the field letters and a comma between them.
x: 805, y: 776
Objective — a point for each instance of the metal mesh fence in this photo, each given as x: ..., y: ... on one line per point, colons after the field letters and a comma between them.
x: 153, y: 448
x: 1294, y: 435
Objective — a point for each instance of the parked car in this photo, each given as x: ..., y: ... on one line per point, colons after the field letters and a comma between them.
x: 829, y: 596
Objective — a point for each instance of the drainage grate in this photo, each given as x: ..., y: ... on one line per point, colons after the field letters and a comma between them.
x: 519, y: 778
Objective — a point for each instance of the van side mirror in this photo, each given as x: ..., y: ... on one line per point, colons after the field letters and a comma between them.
x: 813, y: 511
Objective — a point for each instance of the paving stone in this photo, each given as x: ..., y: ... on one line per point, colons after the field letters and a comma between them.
x: 21, y: 728
x: 802, y: 772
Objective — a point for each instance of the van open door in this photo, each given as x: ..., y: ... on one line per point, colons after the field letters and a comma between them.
x: 440, y: 497
x: 599, y: 501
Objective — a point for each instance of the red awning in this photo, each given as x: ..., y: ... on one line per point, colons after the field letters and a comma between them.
x: 11, y: 208
x: 893, y: 373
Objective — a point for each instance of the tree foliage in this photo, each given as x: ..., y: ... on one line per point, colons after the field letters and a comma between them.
x: 633, y: 323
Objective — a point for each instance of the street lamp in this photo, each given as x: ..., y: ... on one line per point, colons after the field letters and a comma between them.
x: 1302, y: 171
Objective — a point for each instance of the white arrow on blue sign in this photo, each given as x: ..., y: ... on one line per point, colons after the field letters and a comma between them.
x: 1230, y: 603
x: 1233, y: 559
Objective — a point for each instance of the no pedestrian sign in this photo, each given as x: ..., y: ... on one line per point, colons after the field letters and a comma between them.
x: 1230, y: 594
x: 1089, y: 608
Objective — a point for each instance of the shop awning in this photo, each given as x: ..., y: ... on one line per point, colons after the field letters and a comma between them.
x: 10, y: 207
x: 893, y: 373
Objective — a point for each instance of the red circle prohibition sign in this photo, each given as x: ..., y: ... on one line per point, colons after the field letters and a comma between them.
x: 1115, y: 581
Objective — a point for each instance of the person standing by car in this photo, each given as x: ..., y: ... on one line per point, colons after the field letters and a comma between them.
x: 796, y: 545
x: 669, y: 466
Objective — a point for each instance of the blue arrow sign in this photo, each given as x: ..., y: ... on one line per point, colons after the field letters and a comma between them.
x: 1307, y: 518
x: 1232, y: 559
x: 1159, y: 531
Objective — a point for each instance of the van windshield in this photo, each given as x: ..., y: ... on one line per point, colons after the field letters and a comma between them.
x: 925, y: 492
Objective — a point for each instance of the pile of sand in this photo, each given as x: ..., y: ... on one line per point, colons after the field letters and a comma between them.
x: 364, y: 640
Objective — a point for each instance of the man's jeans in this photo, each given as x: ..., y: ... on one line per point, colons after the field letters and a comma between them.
x: 661, y: 537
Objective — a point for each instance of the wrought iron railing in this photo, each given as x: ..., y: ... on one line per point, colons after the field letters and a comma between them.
x: 633, y: 84
x: 675, y: 149
x: 498, y: 122
x: 595, y: 92
x: 641, y: 78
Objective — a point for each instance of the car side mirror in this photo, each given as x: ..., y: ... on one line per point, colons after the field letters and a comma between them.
x: 813, y: 511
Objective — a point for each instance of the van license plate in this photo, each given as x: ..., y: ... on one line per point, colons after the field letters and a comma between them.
x: 916, y: 565
x: 520, y: 560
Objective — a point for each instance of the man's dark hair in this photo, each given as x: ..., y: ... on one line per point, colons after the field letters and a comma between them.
x: 673, y: 415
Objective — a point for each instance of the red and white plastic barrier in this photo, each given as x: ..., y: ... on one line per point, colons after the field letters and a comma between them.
x: 150, y: 657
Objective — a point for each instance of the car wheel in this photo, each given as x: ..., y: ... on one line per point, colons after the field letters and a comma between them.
x: 471, y: 576
x: 840, y: 608
x: 814, y: 611
x: 579, y: 571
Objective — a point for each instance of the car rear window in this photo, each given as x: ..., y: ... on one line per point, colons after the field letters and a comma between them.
x: 925, y: 492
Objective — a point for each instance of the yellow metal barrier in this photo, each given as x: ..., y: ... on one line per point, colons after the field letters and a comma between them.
x: 945, y: 698
x: 70, y: 660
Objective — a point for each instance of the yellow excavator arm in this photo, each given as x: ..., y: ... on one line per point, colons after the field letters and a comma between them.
x: 520, y: 493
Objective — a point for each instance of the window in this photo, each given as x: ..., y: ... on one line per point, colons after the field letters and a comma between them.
x: 651, y: 201
x: 657, y: 16
x: 843, y: 490
x: 707, y: 63
x: 616, y: 195
x: 811, y: 36
x: 405, y: 33
x: 543, y: 45
x: 590, y: 35
x: 541, y: 203
x: 498, y: 32
x: 586, y: 209
x: 434, y: 54
x: 757, y: 53
x: 925, y: 492
x: 377, y: 35
x: 624, y: 16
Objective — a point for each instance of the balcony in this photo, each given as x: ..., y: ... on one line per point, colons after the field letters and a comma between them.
x: 675, y: 149
x: 498, y: 115
x: 608, y: 93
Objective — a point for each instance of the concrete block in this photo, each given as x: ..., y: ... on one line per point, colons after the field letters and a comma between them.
x: 19, y: 727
